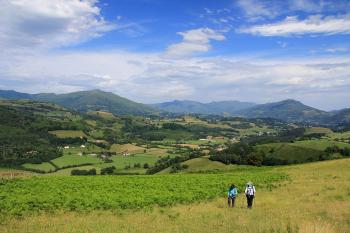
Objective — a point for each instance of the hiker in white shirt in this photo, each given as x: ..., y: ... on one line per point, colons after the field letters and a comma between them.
x: 250, y: 193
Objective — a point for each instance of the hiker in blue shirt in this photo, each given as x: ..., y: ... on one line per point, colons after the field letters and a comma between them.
x: 232, y: 193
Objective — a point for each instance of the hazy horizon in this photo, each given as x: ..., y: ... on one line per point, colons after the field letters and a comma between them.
x: 153, y: 51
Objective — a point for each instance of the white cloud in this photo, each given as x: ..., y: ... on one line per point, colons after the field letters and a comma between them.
x: 153, y: 78
x: 337, y: 50
x: 46, y: 24
x: 307, y: 5
x: 292, y: 26
x: 257, y: 9
x: 194, y: 41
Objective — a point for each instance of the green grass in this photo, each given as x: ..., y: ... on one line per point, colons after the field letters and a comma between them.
x: 103, y: 115
x: 290, y: 152
x: 316, y: 130
x: 320, y: 144
x: 11, y: 172
x: 70, y: 193
x: 75, y: 160
x: 299, y: 151
x: 344, y: 135
x: 202, y: 164
x: 120, y: 161
x: 67, y: 171
x: 68, y: 133
x: 45, y: 167
x: 119, y: 148
x: 89, y: 149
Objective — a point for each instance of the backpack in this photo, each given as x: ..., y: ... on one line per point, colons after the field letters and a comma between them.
x: 250, y: 191
x: 233, y: 192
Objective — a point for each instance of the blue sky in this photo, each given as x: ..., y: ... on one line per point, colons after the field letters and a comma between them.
x: 155, y: 50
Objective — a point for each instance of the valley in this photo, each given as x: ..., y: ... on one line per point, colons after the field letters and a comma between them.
x: 59, y: 162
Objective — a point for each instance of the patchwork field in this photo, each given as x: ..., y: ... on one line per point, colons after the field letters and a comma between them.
x: 120, y: 162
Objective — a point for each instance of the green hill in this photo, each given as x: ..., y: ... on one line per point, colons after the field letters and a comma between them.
x: 288, y: 110
x: 85, y: 101
x: 342, y: 116
x: 24, y: 137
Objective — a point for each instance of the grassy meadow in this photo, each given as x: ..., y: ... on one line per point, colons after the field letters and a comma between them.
x: 68, y: 133
x: 315, y: 199
x: 45, y: 167
x: 75, y: 160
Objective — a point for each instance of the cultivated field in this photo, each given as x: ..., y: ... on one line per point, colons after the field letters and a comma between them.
x: 68, y: 133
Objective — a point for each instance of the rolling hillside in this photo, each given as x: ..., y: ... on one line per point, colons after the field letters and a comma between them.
x: 85, y: 101
x: 96, y: 100
x: 288, y: 110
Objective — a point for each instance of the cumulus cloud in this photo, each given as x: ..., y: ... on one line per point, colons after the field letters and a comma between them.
x: 292, y: 26
x: 194, y: 41
x: 47, y: 24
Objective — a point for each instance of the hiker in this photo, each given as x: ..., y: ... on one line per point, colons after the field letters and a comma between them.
x: 249, y: 193
x: 232, y: 193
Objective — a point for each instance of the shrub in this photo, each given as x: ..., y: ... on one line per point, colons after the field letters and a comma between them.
x: 77, y: 172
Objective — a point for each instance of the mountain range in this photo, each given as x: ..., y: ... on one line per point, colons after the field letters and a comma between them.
x: 84, y: 101
x: 96, y: 100
x: 217, y: 108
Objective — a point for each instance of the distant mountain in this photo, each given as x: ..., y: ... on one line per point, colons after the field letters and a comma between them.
x: 96, y: 100
x: 287, y: 110
x: 84, y: 101
x: 217, y: 108
x: 14, y: 95
x: 341, y: 116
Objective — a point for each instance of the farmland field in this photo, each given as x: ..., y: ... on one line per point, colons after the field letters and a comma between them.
x: 75, y: 160
x: 300, y: 151
x: 120, y: 161
x: 130, y: 148
x: 45, y: 167
x: 320, y: 144
x: 113, y: 192
x: 344, y: 135
x: 316, y: 130
x: 68, y: 133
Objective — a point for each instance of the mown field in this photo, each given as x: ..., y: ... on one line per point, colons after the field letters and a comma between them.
x: 75, y: 160
x: 45, y: 167
x: 314, y: 199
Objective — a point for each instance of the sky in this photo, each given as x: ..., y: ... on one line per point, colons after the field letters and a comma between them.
x: 156, y: 50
